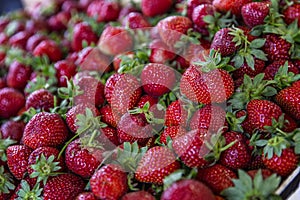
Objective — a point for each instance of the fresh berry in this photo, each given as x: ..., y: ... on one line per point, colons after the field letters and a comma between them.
x: 40, y: 99
x: 103, y: 11
x: 254, y: 13
x: 83, y: 33
x: 13, y: 130
x: 18, y: 75
x: 48, y: 48
x: 141, y: 195
x: 152, y: 8
x: 11, y: 101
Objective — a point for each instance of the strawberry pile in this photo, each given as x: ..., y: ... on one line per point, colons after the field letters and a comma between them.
x: 152, y: 99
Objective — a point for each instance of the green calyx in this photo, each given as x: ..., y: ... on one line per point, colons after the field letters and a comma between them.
x: 148, y: 114
x: 252, y: 88
x: 5, y: 182
x: 246, y: 188
x: 235, y: 124
x: 4, y: 144
x: 68, y: 93
x: 26, y: 193
x: 284, y: 78
x: 44, y: 167
x: 191, y: 37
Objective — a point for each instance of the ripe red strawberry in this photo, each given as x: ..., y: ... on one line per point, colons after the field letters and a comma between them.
x: 271, y: 70
x: 45, y: 129
x: 48, y: 48
x: 135, y: 20
x: 217, y: 177
x: 200, y: 12
x: 133, y: 128
x: 59, y: 21
x: 40, y: 99
x: 254, y: 13
x: 109, y: 182
x: 70, y: 5
x: 157, y: 163
x: 33, y: 41
x: 91, y: 59
x: 237, y: 156
x: 259, y: 66
x: 234, y: 6
x: 176, y: 115
x: 147, y: 98
x: 210, y: 117
x: 82, y: 160
x: 191, y: 148
x: 152, y: 8
x: 276, y: 48
x: 215, y: 86
x: 288, y: 99
x: 64, y: 70
x: 11, y: 101
x: 71, y: 119
x: 30, y: 182
x: 157, y: 79
x: 108, y: 138
x: 291, y: 13
x: 13, y: 130
x: 115, y: 40
x: 141, y: 195
x: 160, y: 52
x: 17, y: 160
x: 192, y: 4
x: 104, y: 10
x: 172, y: 132
x: 261, y: 113
x: 64, y: 187
x: 223, y: 43
x: 83, y: 33
x: 172, y: 28
x: 108, y: 116
x: 188, y: 189
x: 18, y: 75
x: 284, y: 164
x: 122, y: 92
x: 19, y: 39
x: 86, y: 196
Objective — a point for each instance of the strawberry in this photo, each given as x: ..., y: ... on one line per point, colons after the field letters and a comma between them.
x: 19, y: 39
x: 172, y: 28
x: 192, y: 4
x: 291, y: 13
x: 155, y: 7
x: 191, y: 148
x: 11, y: 101
x: 264, y: 172
x: 135, y: 20
x: 214, y: 86
x: 63, y: 186
x: 33, y: 41
x: 261, y: 113
x: 142, y: 195
x: 83, y: 33
x: 160, y: 52
x: 109, y: 182
x: 259, y: 66
x: 18, y: 75
x: 157, y: 79
x: 210, y: 117
x: 200, y: 12
x: 223, y: 42
x: 27, y: 186
x: 13, y: 130
x: 254, y: 13
x: 108, y: 116
x: 86, y: 196
x: 17, y: 160
x: 70, y: 5
x: 284, y: 164
x: 172, y: 132
x: 238, y: 155
x: 272, y: 69
x: 109, y: 137
x: 289, y: 101
x: 157, y: 163
x: 122, y: 92
x: 234, y: 6
x: 276, y: 48
x: 45, y: 129
x: 40, y: 99
x: 133, y: 128
x: 59, y: 21
x: 64, y: 70
x: 48, y: 48
x: 188, y: 189
x: 103, y: 10
x: 217, y: 177
x: 115, y: 40
x: 176, y: 114
x: 81, y: 160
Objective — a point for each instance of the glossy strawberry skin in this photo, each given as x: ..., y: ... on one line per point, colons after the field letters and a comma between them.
x: 19, y: 39
x: 17, y: 160
x: 254, y: 13
x: 276, y: 48
x: 192, y: 4
x: 237, y: 156
x: 83, y: 33
x: 40, y: 99
x: 188, y: 189
x: 48, y: 48
x: 18, y: 75
x: 108, y: 116
x: 143, y: 195
x: 271, y: 70
x: 176, y: 114
x: 109, y: 182
x: 200, y: 12
x: 86, y: 196
x: 291, y: 13
x: 217, y: 177
x: 59, y: 21
x: 103, y: 11
x: 64, y: 70
x: 11, y: 101
x: 284, y: 164
x: 135, y: 20
x: 156, y: 164
x: 223, y: 43
x: 33, y: 41
x: 45, y: 129
x: 234, y: 6
x: 13, y: 130
x: 81, y: 160
x: 160, y: 52
x: 64, y: 187
x: 155, y: 7
x: 172, y: 132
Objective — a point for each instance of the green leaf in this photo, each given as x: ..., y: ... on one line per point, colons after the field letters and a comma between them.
x: 259, y: 54
x: 250, y: 61
x: 257, y: 43
x: 172, y: 178
x: 238, y: 60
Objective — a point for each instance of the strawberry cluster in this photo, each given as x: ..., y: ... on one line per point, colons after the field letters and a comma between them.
x: 152, y: 99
